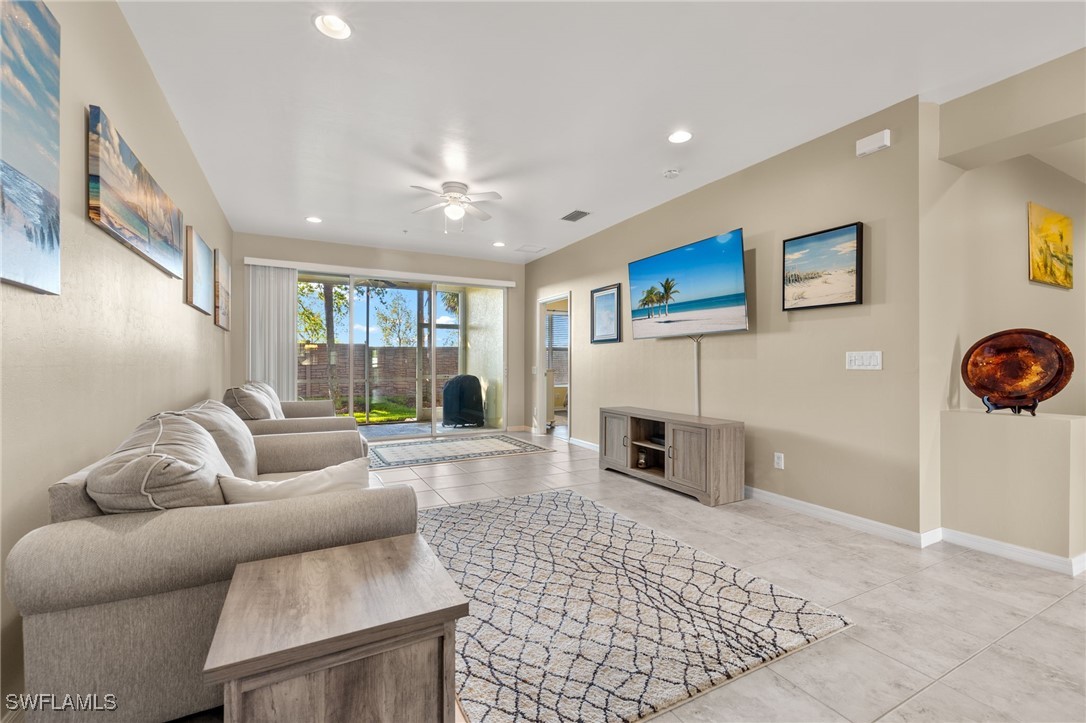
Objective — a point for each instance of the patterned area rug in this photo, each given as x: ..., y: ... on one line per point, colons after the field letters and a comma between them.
x: 434, y: 451
x: 579, y: 614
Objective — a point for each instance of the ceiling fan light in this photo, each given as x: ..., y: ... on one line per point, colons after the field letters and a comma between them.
x: 454, y: 212
x: 333, y: 26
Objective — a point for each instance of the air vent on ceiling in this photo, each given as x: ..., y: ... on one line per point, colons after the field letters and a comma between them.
x: 531, y: 249
x: 575, y: 215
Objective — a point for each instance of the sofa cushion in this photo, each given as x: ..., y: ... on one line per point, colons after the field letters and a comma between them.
x: 254, y: 400
x: 166, y: 462
x: 350, y: 475
x: 273, y: 398
x: 232, y: 437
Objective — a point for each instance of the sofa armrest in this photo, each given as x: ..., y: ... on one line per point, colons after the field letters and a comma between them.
x: 116, y: 557
x: 302, y: 424
x: 314, y: 408
x: 305, y: 452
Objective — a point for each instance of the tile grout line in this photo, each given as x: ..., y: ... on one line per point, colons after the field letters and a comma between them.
x: 990, y: 645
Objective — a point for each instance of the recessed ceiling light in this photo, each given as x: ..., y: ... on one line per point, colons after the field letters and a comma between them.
x: 333, y: 26
x: 499, y: 244
x: 680, y: 136
x: 313, y: 219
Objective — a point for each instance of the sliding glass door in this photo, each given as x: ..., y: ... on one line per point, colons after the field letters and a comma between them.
x: 384, y: 351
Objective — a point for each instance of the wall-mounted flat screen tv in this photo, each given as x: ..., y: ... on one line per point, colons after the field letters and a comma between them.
x: 691, y: 290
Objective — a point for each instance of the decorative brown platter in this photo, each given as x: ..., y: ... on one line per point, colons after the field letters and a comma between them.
x: 1017, y: 369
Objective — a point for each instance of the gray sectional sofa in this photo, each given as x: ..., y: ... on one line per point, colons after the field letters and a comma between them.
x: 126, y: 604
x: 258, y: 405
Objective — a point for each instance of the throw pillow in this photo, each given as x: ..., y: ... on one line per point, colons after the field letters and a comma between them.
x: 232, y: 437
x: 166, y: 462
x: 352, y: 475
x: 250, y: 402
x: 273, y: 398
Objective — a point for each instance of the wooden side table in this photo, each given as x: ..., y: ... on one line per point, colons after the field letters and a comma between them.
x: 363, y: 632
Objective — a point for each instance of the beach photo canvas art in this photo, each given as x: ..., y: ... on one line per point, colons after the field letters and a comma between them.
x: 125, y: 200
x: 199, y: 272
x: 824, y: 268
x: 222, y: 291
x: 1051, y: 252
x: 606, y: 326
x: 691, y: 290
x: 30, y: 147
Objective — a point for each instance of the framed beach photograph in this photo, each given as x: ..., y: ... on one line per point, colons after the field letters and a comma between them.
x: 30, y: 147
x: 199, y: 272
x: 126, y: 202
x: 222, y: 290
x: 1051, y: 251
x: 824, y: 268
x: 606, y: 325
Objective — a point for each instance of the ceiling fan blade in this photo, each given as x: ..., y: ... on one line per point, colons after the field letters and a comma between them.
x: 485, y: 196
x: 476, y: 212
x: 428, y: 190
x: 431, y: 208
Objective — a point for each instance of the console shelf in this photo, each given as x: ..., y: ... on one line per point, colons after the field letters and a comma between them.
x: 701, y: 456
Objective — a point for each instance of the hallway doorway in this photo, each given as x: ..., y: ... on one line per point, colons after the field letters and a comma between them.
x: 555, y: 365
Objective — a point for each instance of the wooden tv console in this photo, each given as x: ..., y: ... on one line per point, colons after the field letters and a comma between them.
x: 698, y: 456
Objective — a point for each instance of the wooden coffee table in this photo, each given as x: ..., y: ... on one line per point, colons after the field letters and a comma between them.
x: 363, y: 632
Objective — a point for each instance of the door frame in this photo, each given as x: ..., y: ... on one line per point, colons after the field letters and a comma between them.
x: 539, y: 425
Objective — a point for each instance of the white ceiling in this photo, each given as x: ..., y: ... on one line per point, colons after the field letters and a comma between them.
x: 556, y: 105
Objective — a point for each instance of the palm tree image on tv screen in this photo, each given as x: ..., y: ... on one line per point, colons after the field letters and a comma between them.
x: 691, y: 290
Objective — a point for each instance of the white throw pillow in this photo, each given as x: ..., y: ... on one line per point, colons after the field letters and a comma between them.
x: 352, y: 475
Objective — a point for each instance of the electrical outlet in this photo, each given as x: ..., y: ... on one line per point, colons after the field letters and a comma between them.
x: 778, y: 460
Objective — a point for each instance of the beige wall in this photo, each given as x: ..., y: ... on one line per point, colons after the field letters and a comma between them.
x: 81, y: 369
x: 1040, y: 107
x: 986, y: 212
x: 315, y: 252
x: 1017, y: 479
x: 485, y: 356
x: 850, y: 438
x: 974, y: 270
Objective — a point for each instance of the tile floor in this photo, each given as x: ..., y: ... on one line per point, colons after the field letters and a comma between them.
x: 941, y: 634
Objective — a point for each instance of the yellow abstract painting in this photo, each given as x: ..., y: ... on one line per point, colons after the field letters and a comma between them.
x: 1050, y: 248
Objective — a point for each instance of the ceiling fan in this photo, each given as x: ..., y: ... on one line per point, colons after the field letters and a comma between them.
x: 456, y: 201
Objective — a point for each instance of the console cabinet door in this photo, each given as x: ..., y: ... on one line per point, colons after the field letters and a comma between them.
x: 614, y: 438
x: 687, y: 455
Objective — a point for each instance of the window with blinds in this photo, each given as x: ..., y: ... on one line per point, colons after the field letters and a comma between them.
x: 558, y: 345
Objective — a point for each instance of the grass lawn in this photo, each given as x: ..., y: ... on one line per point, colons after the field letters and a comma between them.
x: 386, y: 412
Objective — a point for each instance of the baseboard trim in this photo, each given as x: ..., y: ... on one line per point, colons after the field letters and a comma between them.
x: 855, y: 522
x: 931, y: 537
x: 1045, y: 560
x: 586, y: 445
x: 521, y: 428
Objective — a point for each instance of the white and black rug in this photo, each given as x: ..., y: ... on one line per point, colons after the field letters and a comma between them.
x: 579, y: 614
x: 435, y: 451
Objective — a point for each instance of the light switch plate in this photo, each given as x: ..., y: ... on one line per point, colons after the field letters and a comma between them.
x: 863, y: 360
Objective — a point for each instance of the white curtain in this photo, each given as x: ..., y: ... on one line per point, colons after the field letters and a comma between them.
x: 273, y: 343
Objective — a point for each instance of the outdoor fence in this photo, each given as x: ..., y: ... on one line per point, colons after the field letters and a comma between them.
x: 392, y: 372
